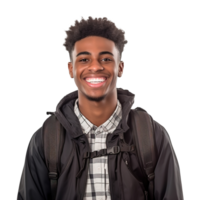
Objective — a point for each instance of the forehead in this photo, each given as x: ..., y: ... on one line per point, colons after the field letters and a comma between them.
x: 94, y: 45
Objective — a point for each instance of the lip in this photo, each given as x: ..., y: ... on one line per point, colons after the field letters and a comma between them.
x: 95, y: 85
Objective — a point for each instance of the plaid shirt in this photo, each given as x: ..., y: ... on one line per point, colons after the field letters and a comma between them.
x: 97, y: 187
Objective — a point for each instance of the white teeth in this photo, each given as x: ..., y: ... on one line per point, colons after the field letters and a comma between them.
x: 95, y: 80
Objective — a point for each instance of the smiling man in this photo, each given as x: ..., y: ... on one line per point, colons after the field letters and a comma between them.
x: 94, y: 146
x: 95, y: 67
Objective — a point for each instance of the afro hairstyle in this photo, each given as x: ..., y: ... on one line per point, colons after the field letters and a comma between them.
x: 98, y: 26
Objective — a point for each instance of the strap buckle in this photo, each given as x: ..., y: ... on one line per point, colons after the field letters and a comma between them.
x: 113, y: 150
x: 99, y: 153
x: 151, y: 177
x: 53, y: 175
x: 87, y: 154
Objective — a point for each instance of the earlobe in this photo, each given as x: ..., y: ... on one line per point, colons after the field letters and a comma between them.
x: 69, y: 69
x: 122, y: 69
x: 67, y: 65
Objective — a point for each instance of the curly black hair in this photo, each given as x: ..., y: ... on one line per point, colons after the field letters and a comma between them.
x: 96, y: 27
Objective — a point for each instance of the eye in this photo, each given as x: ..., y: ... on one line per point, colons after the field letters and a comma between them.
x: 83, y: 60
x: 107, y: 59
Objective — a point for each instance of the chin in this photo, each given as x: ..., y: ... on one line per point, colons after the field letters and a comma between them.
x: 95, y: 98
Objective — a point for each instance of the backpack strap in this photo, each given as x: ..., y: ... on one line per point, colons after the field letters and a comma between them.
x: 145, y: 144
x: 53, y: 137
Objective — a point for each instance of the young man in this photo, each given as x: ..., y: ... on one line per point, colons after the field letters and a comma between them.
x: 96, y: 117
x: 96, y: 59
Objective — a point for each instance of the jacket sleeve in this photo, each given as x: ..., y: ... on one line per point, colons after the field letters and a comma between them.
x: 35, y: 182
x: 167, y: 183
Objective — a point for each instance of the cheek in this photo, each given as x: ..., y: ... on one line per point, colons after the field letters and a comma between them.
x: 77, y: 75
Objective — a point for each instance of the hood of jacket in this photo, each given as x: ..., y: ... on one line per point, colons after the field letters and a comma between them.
x: 64, y: 111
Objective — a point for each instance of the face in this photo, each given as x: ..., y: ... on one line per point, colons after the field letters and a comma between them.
x: 95, y: 60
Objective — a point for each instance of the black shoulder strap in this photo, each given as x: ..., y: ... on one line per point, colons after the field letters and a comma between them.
x: 53, y: 137
x: 145, y: 145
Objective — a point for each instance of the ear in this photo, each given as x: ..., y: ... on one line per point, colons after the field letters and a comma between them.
x: 70, y: 67
x: 121, y: 68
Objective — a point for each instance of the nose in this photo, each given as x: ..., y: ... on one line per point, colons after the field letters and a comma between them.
x: 95, y: 65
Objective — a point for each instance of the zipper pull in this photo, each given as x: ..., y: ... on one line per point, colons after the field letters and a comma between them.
x: 126, y: 162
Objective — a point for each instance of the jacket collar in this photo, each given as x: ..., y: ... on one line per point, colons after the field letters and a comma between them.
x: 66, y: 116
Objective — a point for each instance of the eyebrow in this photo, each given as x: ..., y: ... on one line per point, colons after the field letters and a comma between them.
x: 88, y: 53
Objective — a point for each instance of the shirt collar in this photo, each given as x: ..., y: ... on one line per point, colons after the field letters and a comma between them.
x: 86, y: 125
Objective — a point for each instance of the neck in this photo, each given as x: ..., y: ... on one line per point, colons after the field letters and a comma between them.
x: 97, y: 112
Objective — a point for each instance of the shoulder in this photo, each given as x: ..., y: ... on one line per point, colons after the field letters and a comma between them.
x: 162, y: 138
x: 36, y: 146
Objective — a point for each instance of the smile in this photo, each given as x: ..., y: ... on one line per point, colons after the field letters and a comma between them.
x: 96, y: 85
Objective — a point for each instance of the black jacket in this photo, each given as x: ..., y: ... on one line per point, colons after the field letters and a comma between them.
x: 35, y: 185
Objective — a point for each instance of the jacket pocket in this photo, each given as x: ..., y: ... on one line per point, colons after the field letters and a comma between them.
x: 138, y: 185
